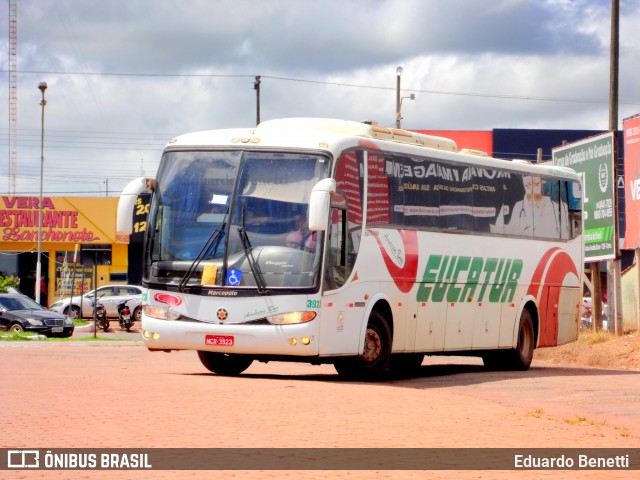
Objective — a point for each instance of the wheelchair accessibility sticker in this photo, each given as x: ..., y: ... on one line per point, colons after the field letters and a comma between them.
x: 234, y: 277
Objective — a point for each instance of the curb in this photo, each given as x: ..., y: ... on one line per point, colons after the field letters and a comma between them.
x: 97, y: 343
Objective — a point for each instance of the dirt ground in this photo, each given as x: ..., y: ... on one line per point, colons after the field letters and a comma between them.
x: 600, y: 350
x: 171, y: 402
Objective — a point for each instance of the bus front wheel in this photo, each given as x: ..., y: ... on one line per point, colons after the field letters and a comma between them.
x: 224, y: 364
x: 376, y: 353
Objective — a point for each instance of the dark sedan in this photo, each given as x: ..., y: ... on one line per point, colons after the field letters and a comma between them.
x: 18, y: 313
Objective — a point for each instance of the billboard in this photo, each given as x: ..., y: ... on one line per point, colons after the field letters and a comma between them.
x: 64, y: 219
x: 631, y: 129
x: 594, y: 159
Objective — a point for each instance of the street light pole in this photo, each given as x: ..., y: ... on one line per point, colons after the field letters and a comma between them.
x: 42, y: 86
x: 256, y: 87
x: 398, y: 116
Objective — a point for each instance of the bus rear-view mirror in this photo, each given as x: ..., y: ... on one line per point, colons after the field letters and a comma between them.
x: 319, y: 204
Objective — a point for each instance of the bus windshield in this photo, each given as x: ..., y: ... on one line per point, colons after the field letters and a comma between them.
x: 234, y: 219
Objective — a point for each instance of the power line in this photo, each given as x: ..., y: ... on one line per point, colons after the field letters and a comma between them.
x: 323, y: 82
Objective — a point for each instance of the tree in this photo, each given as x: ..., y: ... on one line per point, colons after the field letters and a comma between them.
x: 8, y: 282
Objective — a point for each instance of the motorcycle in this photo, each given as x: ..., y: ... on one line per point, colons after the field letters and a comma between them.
x: 124, y: 315
x: 101, y: 316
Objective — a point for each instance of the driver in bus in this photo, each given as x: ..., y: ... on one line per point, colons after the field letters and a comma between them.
x: 301, y: 238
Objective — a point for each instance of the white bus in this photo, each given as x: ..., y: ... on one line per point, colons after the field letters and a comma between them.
x: 330, y: 241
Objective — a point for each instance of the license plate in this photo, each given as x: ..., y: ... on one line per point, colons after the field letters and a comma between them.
x: 219, y: 340
x: 57, y: 329
x: 126, y: 317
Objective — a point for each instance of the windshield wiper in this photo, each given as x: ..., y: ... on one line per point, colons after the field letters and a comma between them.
x: 253, y: 265
x: 211, y: 244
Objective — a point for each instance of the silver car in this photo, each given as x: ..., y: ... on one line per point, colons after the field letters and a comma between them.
x: 108, y: 295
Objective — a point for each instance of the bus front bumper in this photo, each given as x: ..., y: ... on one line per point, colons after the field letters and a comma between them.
x: 295, y: 340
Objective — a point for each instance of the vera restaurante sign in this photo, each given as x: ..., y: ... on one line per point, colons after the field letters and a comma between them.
x: 68, y: 223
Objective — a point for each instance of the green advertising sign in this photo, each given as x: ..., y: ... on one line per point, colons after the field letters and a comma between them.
x: 593, y: 158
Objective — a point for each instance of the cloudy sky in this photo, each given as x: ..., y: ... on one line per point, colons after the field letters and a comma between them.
x: 125, y: 76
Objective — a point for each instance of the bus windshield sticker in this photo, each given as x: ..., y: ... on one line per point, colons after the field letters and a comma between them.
x: 234, y: 277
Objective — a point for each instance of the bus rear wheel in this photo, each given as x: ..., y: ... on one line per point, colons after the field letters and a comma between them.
x: 375, y: 357
x: 518, y: 358
x: 223, y: 363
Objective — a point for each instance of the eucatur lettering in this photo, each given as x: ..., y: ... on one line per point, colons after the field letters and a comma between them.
x: 465, y: 279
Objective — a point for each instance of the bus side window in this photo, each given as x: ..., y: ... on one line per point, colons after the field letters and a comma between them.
x: 339, y: 260
x: 379, y: 210
x: 546, y: 208
x: 563, y: 202
x: 574, y: 207
x: 345, y: 229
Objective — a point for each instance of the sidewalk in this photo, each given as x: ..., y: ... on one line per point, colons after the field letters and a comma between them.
x: 114, y: 332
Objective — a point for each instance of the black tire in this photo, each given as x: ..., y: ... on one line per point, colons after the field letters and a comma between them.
x: 518, y: 358
x: 137, y: 315
x: 225, y: 364
x: 522, y: 355
x: 377, y: 350
x: 406, y: 363
x: 104, y: 324
x: 73, y: 312
x: 493, y: 360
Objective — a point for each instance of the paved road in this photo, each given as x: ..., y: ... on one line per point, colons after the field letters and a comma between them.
x: 118, y: 394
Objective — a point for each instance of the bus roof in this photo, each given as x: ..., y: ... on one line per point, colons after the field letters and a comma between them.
x: 311, y: 131
x: 334, y: 134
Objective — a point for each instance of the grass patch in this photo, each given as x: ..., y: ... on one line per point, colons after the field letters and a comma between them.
x: 18, y: 337
x: 537, y: 413
x: 31, y: 337
x: 87, y: 339
x: 592, y: 338
x: 576, y: 421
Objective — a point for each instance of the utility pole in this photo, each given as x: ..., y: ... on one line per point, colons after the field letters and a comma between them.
x: 42, y: 86
x: 614, y: 300
x: 398, y: 114
x: 256, y: 87
x: 13, y: 93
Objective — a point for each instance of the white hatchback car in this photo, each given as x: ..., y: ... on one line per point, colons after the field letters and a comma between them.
x: 108, y: 295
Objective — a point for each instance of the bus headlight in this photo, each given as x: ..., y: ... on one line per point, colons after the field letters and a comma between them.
x: 161, y: 313
x: 291, y: 318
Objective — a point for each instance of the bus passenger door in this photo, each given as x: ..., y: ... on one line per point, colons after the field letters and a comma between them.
x: 341, y: 252
x: 343, y: 310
